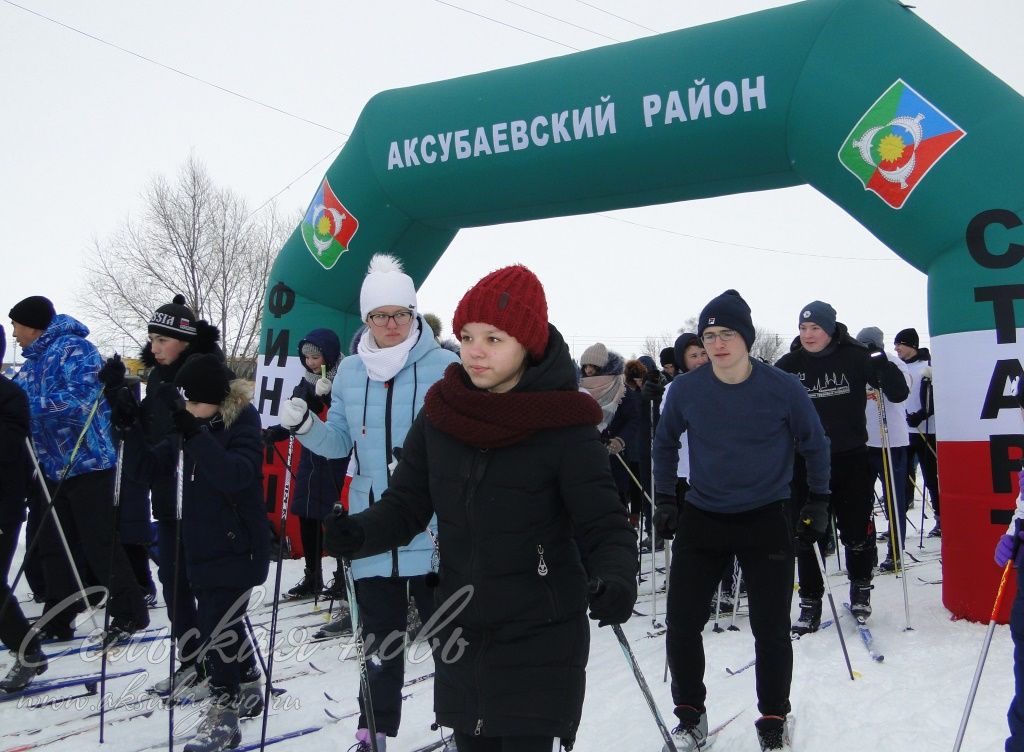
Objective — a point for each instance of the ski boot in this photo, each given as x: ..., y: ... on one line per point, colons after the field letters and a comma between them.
x: 691, y: 733
x: 860, y: 599
x: 219, y: 728
x: 936, y: 532
x: 336, y: 590
x: 24, y: 669
x: 889, y: 565
x: 810, y: 617
x: 645, y: 545
x: 311, y: 584
x: 118, y: 634
x: 340, y: 625
x: 250, y: 694
x: 187, y: 676
x: 771, y: 732
x: 363, y: 741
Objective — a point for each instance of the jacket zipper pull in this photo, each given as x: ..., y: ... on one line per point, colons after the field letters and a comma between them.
x: 542, y: 567
x: 479, y: 727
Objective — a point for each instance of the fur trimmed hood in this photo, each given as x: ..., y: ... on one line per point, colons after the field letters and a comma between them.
x: 239, y: 397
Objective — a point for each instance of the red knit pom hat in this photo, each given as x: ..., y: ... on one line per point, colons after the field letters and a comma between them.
x: 511, y: 299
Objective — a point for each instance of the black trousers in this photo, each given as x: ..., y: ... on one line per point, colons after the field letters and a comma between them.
x: 762, y: 540
x: 470, y: 743
x: 311, y: 533
x: 183, y: 612
x: 852, y: 487
x: 85, y: 507
x: 227, y: 649
x: 921, y: 450
x: 384, y: 611
x: 14, y: 626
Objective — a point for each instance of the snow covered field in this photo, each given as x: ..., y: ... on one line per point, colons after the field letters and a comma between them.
x: 913, y: 700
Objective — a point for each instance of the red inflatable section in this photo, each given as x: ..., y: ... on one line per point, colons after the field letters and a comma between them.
x: 973, y: 518
x: 273, y: 492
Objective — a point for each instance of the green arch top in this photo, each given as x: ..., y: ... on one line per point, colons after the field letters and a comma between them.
x: 818, y: 92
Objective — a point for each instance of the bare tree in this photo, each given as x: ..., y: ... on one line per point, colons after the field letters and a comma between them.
x: 191, y: 238
x: 654, y: 345
x: 768, y: 346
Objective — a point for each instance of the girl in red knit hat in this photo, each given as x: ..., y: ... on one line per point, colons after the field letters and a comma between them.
x: 507, y: 454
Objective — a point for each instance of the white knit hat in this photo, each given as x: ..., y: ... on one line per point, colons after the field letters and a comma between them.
x: 386, y: 284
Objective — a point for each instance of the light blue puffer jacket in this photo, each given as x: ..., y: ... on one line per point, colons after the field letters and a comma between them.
x: 369, y: 418
x: 60, y: 378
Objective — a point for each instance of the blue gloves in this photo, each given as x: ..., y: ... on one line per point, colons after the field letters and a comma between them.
x: 1008, y: 548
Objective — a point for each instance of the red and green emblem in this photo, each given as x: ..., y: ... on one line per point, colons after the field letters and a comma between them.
x: 328, y: 227
x: 896, y: 142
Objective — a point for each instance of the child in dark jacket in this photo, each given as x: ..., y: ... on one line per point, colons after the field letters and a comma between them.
x: 225, y: 535
x: 319, y: 480
x: 506, y: 453
x: 14, y: 629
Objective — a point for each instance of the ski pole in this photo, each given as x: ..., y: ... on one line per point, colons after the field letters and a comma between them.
x: 282, y: 535
x: 890, y: 481
x: 596, y: 587
x: 179, y: 492
x: 50, y: 510
x: 984, y: 654
x: 650, y: 540
x: 718, y: 609
x: 110, y: 572
x: 832, y: 605
x: 668, y: 573
x: 736, y: 576
x: 357, y: 631
x: 276, y: 691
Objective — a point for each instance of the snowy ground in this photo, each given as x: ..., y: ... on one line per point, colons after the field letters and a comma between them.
x: 911, y: 701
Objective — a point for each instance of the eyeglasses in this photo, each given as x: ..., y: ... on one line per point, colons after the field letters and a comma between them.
x: 401, y: 318
x: 725, y: 335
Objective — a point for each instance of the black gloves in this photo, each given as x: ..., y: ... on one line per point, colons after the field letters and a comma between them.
x: 274, y: 434
x: 878, y: 363
x: 111, y: 375
x: 666, y: 515
x: 611, y: 600
x: 186, y: 423
x: 813, y: 520
x: 652, y: 390
x: 343, y: 535
x: 124, y: 408
x: 169, y: 397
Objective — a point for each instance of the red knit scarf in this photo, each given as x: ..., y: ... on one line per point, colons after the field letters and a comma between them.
x: 487, y: 421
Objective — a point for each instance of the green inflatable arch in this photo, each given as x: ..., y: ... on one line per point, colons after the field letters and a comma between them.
x: 858, y: 98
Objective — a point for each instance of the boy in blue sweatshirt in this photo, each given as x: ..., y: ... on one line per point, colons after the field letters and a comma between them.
x: 743, y: 419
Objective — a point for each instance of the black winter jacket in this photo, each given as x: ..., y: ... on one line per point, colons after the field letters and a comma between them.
x: 14, y: 461
x: 155, y: 416
x: 836, y: 380
x: 223, y: 523
x: 515, y: 526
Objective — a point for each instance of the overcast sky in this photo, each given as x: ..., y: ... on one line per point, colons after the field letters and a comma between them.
x: 85, y: 126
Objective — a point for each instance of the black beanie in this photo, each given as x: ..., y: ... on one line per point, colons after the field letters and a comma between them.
x: 35, y: 312
x: 731, y: 311
x: 175, y: 320
x: 668, y: 357
x: 909, y: 338
x: 204, y: 379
